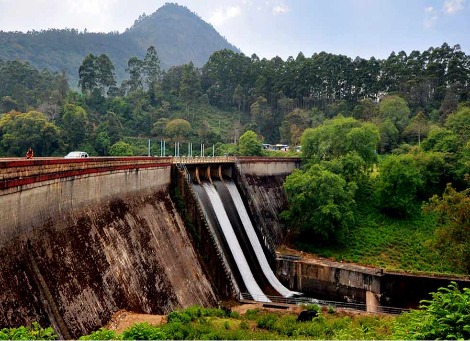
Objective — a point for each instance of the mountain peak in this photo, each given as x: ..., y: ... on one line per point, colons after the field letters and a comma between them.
x: 179, y: 35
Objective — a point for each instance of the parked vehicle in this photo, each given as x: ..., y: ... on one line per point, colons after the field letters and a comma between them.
x: 76, y: 154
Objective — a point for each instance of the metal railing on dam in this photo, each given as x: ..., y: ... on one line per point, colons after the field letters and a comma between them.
x: 203, y: 159
x: 20, y: 171
x: 322, y: 303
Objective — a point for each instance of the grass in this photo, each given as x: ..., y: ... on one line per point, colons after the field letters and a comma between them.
x: 199, y: 323
x: 391, y: 244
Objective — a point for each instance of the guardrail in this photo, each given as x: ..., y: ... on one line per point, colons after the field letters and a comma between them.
x: 203, y: 159
x: 289, y: 257
x: 321, y: 303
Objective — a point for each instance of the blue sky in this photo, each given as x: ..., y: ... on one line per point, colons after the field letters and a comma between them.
x: 270, y: 28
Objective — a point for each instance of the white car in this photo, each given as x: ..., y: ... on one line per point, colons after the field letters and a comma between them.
x: 75, y: 155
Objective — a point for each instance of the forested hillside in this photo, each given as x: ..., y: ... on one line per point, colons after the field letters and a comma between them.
x: 179, y: 36
x: 378, y: 137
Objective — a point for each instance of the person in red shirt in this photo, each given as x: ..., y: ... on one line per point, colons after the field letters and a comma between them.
x: 29, y: 153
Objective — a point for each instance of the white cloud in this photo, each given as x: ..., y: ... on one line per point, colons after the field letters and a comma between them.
x: 453, y: 6
x: 220, y: 16
x: 430, y: 17
x: 280, y: 9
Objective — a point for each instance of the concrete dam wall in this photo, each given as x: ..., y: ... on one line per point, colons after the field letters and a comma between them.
x: 77, y: 248
x: 261, y: 181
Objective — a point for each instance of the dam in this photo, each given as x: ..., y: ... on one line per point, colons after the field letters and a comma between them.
x: 82, y: 239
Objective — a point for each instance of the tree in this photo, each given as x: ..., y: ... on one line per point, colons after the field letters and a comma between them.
x: 249, y: 144
x: 190, y: 87
x: 261, y: 114
x: 452, y: 238
x: 96, y: 73
x: 364, y: 141
x: 8, y: 104
x: 74, y: 125
x: 459, y: 123
x: 106, y: 78
x: 441, y: 140
x: 151, y: 68
x: 178, y: 129
x: 121, y: 149
x: 418, y: 127
x: 389, y: 136
x: 19, y: 131
x: 321, y: 204
x: 102, y: 143
x: 340, y: 136
x: 158, y: 127
x: 396, y: 109
x: 111, y: 125
x: 366, y: 110
x: 398, y: 184
x: 135, y: 70
x: 87, y: 73
x: 294, y: 125
x: 238, y: 96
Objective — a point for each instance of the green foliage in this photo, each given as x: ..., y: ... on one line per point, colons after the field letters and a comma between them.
x: 441, y: 140
x: 121, y: 148
x: 194, y: 313
x: 389, y: 243
x: 396, y: 109
x: 398, y: 184
x: 321, y: 203
x: 213, y: 324
x: 19, y: 131
x: 24, y: 87
x: 74, y: 125
x: 35, y: 332
x: 178, y: 129
x: 101, y: 334
x: 389, y: 135
x: 249, y: 144
x: 96, y: 73
x: 143, y: 331
x: 459, y: 123
x: 445, y: 317
x: 339, y: 136
x: 222, y: 149
x: 453, y: 234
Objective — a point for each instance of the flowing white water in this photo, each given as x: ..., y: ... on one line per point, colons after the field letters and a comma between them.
x: 250, y: 231
x: 227, y: 229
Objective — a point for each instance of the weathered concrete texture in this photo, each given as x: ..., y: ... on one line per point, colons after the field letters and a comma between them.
x: 77, y: 268
x: 268, y: 166
x: 328, y: 280
x: 210, y: 251
x: 261, y: 181
x: 266, y: 199
x: 26, y: 207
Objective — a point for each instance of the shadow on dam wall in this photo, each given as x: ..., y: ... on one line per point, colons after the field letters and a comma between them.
x: 76, y: 250
x: 77, y: 267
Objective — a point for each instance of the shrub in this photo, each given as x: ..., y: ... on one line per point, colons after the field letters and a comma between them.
x: 445, y: 316
x: 35, y: 332
x: 143, y: 331
x: 267, y: 321
x: 100, y: 334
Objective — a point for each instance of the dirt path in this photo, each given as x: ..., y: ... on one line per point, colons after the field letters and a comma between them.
x: 122, y: 320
